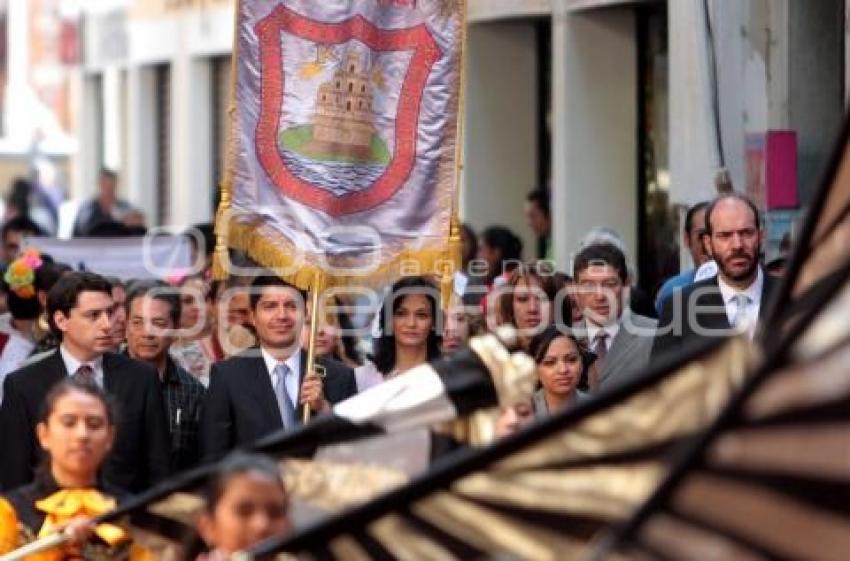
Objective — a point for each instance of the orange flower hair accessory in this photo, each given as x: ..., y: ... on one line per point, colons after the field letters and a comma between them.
x: 20, y: 275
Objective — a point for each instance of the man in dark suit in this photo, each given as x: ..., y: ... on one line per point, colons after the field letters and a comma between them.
x: 620, y: 338
x: 259, y: 391
x: 733, y: 301
x: 79, y: 311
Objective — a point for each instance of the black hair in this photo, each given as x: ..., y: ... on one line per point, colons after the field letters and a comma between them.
x: 21, y: 308
x: 156, y: 290
x: 735, y: 196
x: 270, y: 279
x: 21, y: 224
x: 108, y: 173
x: 69, y: 385
x: 64, y: 295
x: 385, y: 352
x: 601, y: 254
x: 506, y: 242
x: 19, y: 197
x: 349, y: 354
x: 49, y: 273
x: 204, y: 232
x: 110, y: 229
x: 235, y: 464
x: 689, y: 216
x: 468, y: 234
x: 541, y: 198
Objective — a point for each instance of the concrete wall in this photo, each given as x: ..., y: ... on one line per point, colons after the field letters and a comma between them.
x: 142, y: 142
x: 501, y: 126
x: 191, y: 142
x: 594, y: 153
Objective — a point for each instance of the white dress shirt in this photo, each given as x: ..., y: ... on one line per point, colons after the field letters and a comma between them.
x: 72, y: 364
x: 291, y: 381
x: 746, y: 323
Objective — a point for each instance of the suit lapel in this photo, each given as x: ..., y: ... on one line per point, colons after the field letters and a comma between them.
x: 109, y: 379
x: 56, y: 371
x: 302, y: 371
x: 716, y: 318
x: 766, y: 293
x: 620, y: 347
x: 264, y: 391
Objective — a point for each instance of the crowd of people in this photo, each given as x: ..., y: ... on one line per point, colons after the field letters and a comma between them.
x: 110, y: 386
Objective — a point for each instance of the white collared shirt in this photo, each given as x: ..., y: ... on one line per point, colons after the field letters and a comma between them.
x: 72, y: 364
x: 593, y: 330
x: 730, y: 301
x: 294, y: 364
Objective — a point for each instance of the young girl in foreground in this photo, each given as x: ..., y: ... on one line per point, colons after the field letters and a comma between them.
x: 76, y: 430
x: 246, y: 504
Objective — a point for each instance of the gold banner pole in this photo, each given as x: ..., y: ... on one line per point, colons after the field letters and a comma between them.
x: 311, y: 343
x: 455, y: 242
x: 221, y: 258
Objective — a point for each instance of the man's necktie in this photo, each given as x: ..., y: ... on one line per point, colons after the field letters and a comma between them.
x: 85, y: 373
x: 284, y: 403
x: 742, y: 303
x: 600, y: 349
x: 741, y: 319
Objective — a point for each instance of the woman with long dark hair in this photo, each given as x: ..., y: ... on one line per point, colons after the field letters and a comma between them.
x: 561, y: 364
x: 410, y: 323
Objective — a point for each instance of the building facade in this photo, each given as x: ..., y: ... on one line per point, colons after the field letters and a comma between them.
x: 625, y: 109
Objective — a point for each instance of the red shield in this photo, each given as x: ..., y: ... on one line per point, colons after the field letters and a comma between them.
x: 425, y: 53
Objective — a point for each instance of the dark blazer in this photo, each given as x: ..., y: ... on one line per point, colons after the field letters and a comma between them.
x: 241, y: 408
x: 140, y: 455
x: 697, y: 312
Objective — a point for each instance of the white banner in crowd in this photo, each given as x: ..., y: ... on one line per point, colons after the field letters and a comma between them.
x: 144, y: 257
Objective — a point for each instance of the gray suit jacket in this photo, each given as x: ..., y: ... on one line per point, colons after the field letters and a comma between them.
x: 629, y: 353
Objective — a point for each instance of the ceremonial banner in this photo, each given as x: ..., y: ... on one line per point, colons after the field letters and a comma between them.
x: 343, y: 151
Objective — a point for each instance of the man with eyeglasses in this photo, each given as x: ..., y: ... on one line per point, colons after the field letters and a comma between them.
x: 731, y: 302
x: 620, y: 338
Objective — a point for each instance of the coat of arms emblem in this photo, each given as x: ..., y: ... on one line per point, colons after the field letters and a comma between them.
x: 340, y: 108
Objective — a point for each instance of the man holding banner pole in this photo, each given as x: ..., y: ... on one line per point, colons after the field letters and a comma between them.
x: 260, y: 390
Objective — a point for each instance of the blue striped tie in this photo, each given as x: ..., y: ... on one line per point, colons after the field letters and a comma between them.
x: 284, y: 403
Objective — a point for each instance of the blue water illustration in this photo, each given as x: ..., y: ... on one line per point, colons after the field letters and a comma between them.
x: 340, y: 178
